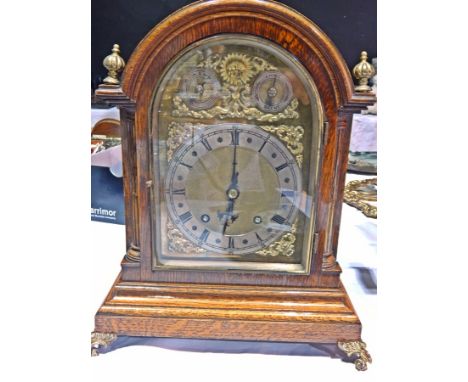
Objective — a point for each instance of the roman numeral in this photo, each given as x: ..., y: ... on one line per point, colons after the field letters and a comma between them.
x: 179, y: 192
x: 185, y: 217
x: 234, y: 137
x: 262, y: 146
x: 206, y: 144
x: 231, y: 242
x: 185, y: 164
x: 278, y: 219
x: 281, y: 167
x: 260, y: 240
x: 204, y: 235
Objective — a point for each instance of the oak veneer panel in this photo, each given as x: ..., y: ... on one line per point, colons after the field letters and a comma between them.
x: 227, y: 330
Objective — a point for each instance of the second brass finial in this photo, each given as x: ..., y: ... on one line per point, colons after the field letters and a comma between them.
x: 363, y: 71
x: 114, y: 64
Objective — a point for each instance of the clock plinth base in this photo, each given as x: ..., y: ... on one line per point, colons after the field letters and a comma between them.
x: 233, y: 312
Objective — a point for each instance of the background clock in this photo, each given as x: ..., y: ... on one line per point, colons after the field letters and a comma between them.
x: 236, y: 121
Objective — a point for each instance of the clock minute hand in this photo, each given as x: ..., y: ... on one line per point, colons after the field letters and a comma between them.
x: 232, y: 192
x: 235, y: 174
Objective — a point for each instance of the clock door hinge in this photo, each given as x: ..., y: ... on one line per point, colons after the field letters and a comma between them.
x: 315, y: 243
x: 325, y: 131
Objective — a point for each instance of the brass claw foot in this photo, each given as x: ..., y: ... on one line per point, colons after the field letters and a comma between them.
x: 357, y: 350
x: 101, y: 340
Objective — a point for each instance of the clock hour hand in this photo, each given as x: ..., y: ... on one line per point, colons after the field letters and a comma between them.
x: 235, y: 174
x: 228, y: 216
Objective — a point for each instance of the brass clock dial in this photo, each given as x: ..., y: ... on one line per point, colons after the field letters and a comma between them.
x: 233, y: 188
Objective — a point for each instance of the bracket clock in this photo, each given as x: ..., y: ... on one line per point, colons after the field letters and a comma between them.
x: 235, y: 118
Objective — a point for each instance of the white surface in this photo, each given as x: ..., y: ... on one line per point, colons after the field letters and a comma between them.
x: 98, y: 114
x: 111, y: 157
x: 357, y: 249
x: 364, y: 133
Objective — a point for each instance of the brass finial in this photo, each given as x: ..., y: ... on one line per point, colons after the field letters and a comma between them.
x: 114, y: 64
x: 363, y: 71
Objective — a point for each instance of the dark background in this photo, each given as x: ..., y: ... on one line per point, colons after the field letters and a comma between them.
x: 351, y: 24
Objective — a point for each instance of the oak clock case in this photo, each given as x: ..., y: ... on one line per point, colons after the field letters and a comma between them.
x: 236, y: 120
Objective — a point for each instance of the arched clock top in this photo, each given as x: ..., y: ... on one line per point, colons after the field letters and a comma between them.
x: 268, y: 19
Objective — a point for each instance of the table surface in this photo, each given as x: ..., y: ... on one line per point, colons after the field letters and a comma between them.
x: 205, y: 360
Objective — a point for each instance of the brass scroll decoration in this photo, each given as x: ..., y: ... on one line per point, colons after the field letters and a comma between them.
x: 178, y: 243
x: 358, y: 194
x: 282, y: 247
x: 292, y: 136
x: 178, y: 133
x: 236, y: 71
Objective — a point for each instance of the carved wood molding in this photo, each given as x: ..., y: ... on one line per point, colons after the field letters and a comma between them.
x: 113, y: 95
x: 231, y: 302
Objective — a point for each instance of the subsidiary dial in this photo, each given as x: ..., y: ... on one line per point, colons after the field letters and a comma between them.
x: 272, y: 92
x: 200, y: 88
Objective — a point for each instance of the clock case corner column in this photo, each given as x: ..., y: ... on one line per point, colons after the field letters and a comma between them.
x: 115, y: 97
x: 337, y: 137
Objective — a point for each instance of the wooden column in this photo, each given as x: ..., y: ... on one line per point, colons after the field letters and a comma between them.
x: 112, y: 95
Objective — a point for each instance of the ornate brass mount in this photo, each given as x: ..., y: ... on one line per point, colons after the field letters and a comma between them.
x: 363, y: 71
x: 283, y: 247
x: 100, y: 341
x: 358, y: 192
x: 114, y: 64
x: 356, y: 350
x: 236, y: 71
x: 178, y: 243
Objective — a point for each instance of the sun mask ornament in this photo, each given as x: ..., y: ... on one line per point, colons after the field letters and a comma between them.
x: 236, y: 69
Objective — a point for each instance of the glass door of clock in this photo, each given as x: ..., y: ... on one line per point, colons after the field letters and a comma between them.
x: 236, y: 131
